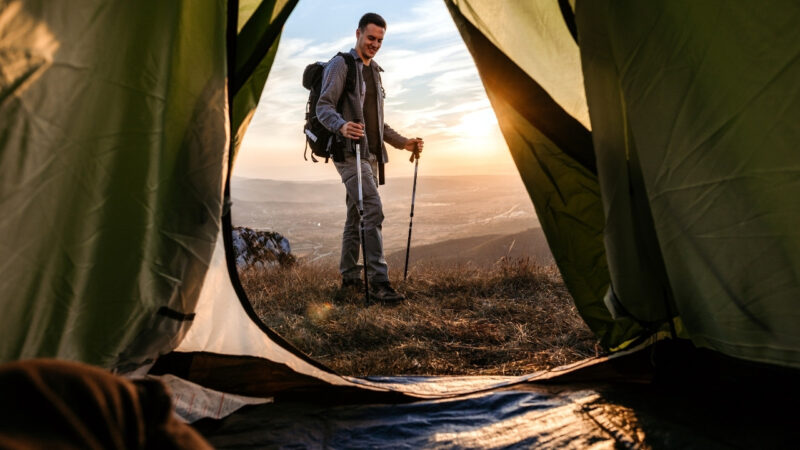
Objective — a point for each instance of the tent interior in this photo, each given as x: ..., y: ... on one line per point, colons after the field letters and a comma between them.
x: 673, y: 221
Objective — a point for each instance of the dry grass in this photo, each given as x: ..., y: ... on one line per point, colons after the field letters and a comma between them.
x: 514, y: 318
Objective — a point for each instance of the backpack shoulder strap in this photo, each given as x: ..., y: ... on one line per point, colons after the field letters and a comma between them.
x: 350, y: 82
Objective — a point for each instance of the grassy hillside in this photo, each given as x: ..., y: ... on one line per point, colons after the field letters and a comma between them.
x: 482, y: 251
x: 513, y: 318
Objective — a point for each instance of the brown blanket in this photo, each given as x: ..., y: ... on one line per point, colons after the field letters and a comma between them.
x: 58, y: 404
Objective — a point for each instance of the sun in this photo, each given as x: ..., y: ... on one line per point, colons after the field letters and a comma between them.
x: 480, y: 123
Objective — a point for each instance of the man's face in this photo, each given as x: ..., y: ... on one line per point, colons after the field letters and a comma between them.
x: 369, y: 41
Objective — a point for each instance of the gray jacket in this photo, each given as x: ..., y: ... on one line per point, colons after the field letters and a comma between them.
x: 333, y: 81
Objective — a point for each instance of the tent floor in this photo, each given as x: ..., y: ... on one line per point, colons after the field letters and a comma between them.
x: 702, y: 401
x: 575, y: 416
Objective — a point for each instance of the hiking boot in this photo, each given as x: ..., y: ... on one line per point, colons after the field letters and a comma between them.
x: 352, y: 283
x: 351, y: 287
x: 382, y: 291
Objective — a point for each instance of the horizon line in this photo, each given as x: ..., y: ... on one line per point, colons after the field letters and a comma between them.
x: 388, y: 177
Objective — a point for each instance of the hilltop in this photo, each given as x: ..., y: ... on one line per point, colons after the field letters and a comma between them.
x: 482, y: 251
x: 512, y: 318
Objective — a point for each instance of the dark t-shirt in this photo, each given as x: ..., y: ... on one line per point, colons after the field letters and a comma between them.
x: 371, y: 112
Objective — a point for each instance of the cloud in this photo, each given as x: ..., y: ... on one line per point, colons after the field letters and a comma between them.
x: 408, y: 64
x: 325, y: 50
x: 425, y: 25
x: 455, y: 81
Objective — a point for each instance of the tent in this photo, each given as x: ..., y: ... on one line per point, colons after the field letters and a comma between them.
x: 656, y: 140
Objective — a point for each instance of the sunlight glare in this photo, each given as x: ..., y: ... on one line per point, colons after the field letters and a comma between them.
x: 480, y: 123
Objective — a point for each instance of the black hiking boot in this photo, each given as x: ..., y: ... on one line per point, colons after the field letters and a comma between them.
x: 352, y: 284
x: 350, y: 288
x: 382, y: 291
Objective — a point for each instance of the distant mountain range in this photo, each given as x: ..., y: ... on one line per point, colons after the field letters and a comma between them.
x: 475, y: 218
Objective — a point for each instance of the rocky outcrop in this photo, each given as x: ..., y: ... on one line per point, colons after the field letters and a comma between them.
x: 261, y: 249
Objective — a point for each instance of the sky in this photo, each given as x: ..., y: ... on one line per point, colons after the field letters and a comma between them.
x: 432, y: 91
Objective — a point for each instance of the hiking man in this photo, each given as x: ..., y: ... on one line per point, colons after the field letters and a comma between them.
x: 361, y: 118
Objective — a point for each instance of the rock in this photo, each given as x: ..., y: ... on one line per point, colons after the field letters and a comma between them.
x: 261, y: 249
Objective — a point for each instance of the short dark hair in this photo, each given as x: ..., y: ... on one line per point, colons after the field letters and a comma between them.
x: 371, y: 18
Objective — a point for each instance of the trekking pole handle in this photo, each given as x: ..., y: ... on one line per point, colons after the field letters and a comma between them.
x: 357, y: 141
x: 415, y: 152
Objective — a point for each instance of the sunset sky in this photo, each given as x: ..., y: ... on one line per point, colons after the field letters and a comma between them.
x: 432, y: 90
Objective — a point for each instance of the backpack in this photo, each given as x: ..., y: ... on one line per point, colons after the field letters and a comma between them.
x: 323, y: 142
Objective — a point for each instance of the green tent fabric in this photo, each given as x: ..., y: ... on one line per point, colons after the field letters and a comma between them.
x: 693, y: 116
x: 111, y: 144
x: 112, y: 155
x: 260, y: 23
x: 699, y: 103
x: 552, y: 150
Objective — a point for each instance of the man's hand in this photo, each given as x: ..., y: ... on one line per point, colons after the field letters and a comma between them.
x: 415, y: 146
x: 352, y: 130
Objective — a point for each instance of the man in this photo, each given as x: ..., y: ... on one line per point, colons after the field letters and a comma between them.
x: 361, y: 118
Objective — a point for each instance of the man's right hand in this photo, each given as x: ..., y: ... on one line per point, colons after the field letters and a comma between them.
x: 352, y: 130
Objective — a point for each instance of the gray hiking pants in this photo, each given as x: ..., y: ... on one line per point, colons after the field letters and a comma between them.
x: 377, y: 269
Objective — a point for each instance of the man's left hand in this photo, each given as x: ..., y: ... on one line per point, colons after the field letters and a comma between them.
x: 414, y: 145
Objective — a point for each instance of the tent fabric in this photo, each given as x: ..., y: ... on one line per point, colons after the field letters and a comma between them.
x: 572, y: 416
x: 636, y: 267
x: 654, y: 395
x: 193, y: 402
x: 701, y: 399
x: 700, y: 102
x: 112, y: 138
x: 269, y: 376
x: 534, y: 36
x: 516, y: 419
x: 554, y: 155
x: 257, y: 377
x: 694, y: 126
x: 118, y: 207
x: 259, y: 26
x: 241, y: 335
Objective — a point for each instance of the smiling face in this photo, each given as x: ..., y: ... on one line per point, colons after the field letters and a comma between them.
x: 368, y: 41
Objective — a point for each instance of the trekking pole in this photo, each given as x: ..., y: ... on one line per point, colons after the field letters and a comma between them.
x: 361, y: 215
x: 415, y: 158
